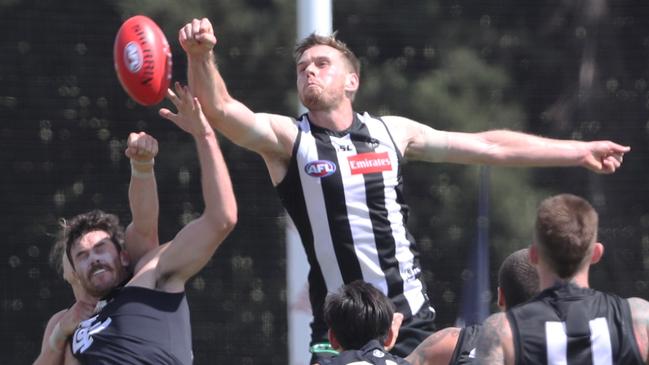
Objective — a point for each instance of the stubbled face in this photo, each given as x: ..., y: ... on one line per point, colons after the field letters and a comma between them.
x: 98, y: 264
x: 321, y: 75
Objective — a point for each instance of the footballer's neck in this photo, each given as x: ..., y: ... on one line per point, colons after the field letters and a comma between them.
x: 338, y: 119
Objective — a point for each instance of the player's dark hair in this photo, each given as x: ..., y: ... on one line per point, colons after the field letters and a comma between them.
x: 518, y: 278
x: 72, y: 230
x: 358, y: 313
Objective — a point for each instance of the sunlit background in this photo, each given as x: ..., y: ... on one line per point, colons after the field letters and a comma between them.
x: 563, y: 69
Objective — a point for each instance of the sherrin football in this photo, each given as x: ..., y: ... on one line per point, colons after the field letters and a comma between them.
x: 142, y: 60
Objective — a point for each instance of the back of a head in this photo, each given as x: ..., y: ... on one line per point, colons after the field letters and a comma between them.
x: 565, y: 233
x: 518, y: 278
x: 72, y: 230
x: 358, y: 313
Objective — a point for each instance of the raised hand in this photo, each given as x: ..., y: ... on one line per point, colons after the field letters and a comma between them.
x: 197, y: 37
x: 605, y: 157
x: 141, y: 147
x: 190, y: 117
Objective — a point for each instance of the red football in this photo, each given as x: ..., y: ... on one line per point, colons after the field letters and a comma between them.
x: 142, y: 60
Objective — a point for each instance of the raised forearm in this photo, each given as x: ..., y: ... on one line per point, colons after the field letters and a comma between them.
x: 206, y: 83
x: 142, y: 232
x: 220, y: 203
x: 195, y: 244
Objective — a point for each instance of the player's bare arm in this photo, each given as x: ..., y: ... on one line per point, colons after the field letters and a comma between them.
x: 508, y: 148
x: 495, y: 341
x: 141, y: 234
x: 503, y: 148
x: 55, y: 349
x: 195, y: 244
x: 267, y: 134
x: 416, y: 141
x: 640, y: 314
x: 437, y: 348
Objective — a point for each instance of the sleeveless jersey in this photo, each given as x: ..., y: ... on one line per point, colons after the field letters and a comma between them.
x: 372, y: 353
x: 570, y: 325
x: 343, y: 191
x: 138, y: 326
x: 465, y: 348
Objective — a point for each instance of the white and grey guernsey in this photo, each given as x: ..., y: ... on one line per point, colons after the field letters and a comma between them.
x: 571, y: 325
x: 343, y: 191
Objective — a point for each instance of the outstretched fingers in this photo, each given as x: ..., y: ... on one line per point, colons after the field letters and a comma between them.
x: 168, y: 114
x: 618, y: 148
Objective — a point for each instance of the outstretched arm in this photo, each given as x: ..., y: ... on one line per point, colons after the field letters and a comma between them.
x: 142, y: 232
x: 508, y: 148
x: 266, y: 134
x: 194, y: 245
x: 503, y: 148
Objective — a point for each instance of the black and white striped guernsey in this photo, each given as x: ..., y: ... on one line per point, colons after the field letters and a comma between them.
x: 570, y: 325
x: 343, y: 191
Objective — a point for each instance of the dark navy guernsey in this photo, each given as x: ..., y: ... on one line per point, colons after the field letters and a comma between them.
x: 137, y: 326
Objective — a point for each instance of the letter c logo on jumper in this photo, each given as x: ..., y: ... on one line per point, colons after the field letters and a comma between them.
x: 320, y: 168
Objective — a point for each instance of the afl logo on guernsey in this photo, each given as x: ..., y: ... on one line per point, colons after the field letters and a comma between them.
x: 320, y: 168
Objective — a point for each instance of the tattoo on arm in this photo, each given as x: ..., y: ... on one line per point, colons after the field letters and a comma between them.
x: 640, y: 314
x: 490, y: 343
x: 435, y: 346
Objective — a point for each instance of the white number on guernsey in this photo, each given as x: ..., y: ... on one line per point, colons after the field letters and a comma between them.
x: 600, y: 342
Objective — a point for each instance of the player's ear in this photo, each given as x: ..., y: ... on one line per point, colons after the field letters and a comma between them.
x: 533, y: 254
x: 352, y: 82
x: 393, y: 331
x: 598, y: 252
x: 124, y: 258
x: 501, y: 299
x: 333, y: 340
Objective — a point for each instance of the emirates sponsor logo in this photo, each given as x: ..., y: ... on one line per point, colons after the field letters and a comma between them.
x: 368, y: 163
x: 320, y: 168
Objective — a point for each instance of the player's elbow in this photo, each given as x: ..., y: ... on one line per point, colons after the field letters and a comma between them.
x: 230, y: 220
x: 495, y: 155
x: 223, y: 222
